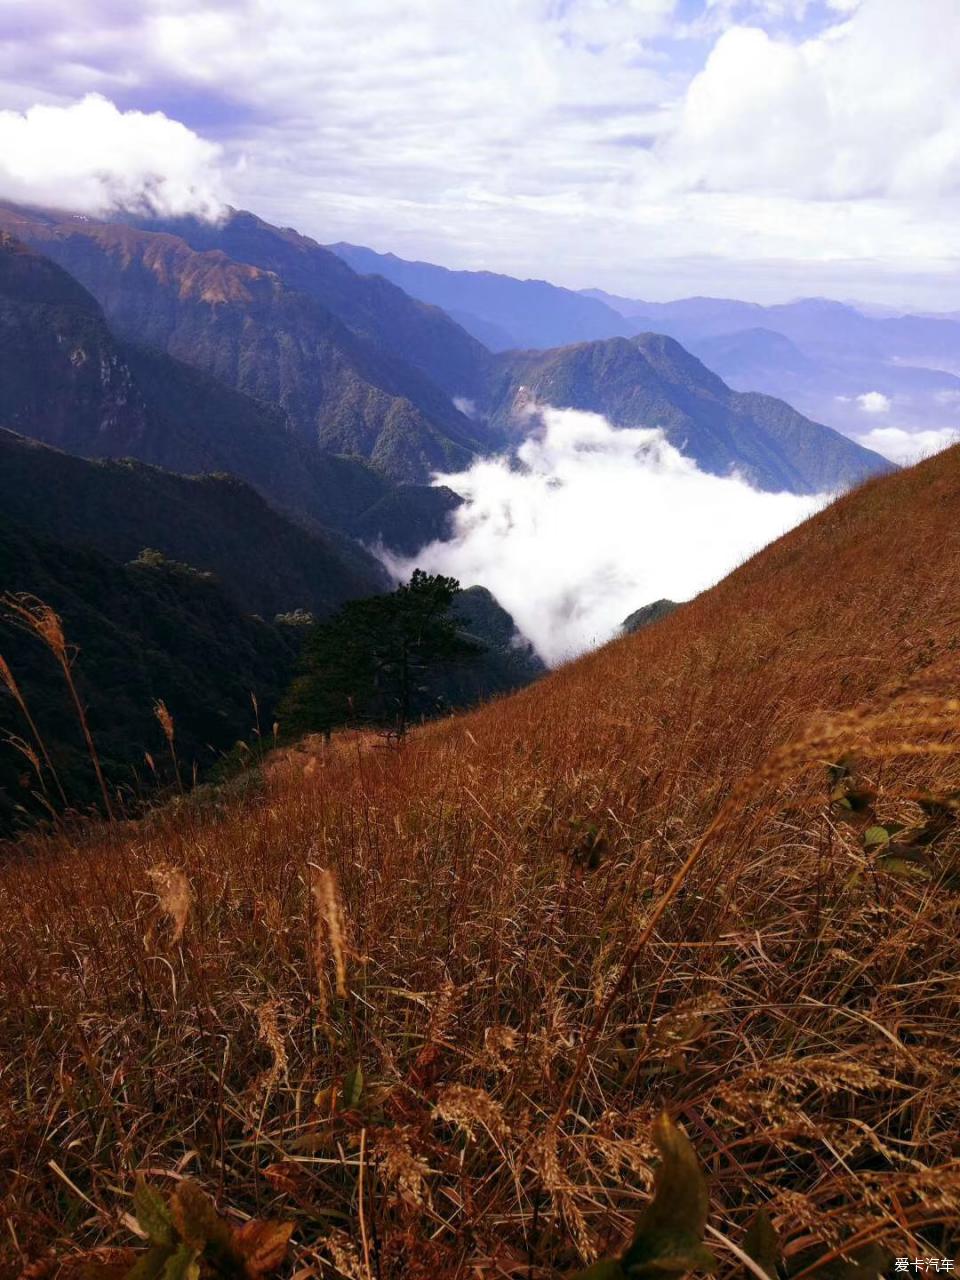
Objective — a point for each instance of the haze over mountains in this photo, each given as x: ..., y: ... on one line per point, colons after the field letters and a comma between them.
x: 856, y: 371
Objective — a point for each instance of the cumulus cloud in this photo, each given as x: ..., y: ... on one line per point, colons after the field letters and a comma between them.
x: 591, y: 522
x: 808, y: 117
x: 92, y: 157
x: 906, y: 447
x: 746, y: 145
x: 874, y: 402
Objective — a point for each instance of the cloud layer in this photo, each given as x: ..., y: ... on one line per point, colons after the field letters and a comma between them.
x: 907, y: 447
x: 765, y: 147
x: 867, y: 108
x: 594, y: 522
x: 91, y: 157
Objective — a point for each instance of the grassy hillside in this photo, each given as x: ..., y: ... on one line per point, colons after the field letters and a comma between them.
x: 631, y: 887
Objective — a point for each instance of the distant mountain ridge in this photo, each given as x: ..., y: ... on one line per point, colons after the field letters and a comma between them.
x: 914, y: 360
x: 503, y: 311
x: 652, y: 381
x: 821, y: 355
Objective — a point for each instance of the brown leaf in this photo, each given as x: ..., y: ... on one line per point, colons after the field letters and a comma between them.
x: 285, y: 1176
x: 262, y: 1245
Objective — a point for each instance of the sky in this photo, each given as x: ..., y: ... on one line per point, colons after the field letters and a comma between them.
x: 762, y: 149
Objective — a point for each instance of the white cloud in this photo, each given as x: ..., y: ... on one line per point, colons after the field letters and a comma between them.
x: 773, y: 146
x: 594, y: 522
x: 91, y: 157
x: 868, y: 108
x: 874, y: 402
x: 906, y: 447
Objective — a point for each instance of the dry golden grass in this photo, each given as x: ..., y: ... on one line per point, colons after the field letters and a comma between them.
x: 490, y: 923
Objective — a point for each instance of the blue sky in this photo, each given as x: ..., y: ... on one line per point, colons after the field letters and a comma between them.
x: 755, y: 148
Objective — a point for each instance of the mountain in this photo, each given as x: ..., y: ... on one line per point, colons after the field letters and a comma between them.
x: 650, y: 380
x: 499, y: 310
x: 821, y: 356
x: 507, y: 660
x: 297, y: 367
x: 142, y: 632
x: 818, y: 355
x: 423, y: 336
x: 697, y: 317
x: 646, y: 882
x: 242, y: 324
x: 66, y: 380
x: 647, y: 615
x: 809, y: 322
x: 265, y: 563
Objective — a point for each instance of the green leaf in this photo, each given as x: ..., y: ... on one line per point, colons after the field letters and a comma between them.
x: 153, y: 1214
x: 150, y: 1265
x: 762, y: 1244
x: 909, y: 868
x: 182, y: 1264
x: 352, y: 1090
x: 669, y: 1237
x: 876, y: 835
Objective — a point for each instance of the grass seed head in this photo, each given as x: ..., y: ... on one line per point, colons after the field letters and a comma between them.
x: 175, y: 895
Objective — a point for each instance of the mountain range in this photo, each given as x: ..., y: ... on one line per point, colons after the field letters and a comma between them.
x: 819, y: 355
x: 298, y: 330
x: 503, y: 313
x: 206, y: 427
x: 67, y: 380
x: 245, y: 325
x: 822, y: 356
x: 652, y: 381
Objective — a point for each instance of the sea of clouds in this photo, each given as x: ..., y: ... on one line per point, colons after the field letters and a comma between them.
x: 587, y: 522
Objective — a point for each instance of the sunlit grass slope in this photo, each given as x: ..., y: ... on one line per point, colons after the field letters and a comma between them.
x: 534, y: 927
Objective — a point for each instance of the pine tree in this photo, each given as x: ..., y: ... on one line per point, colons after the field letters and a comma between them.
x: 377, y: 660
